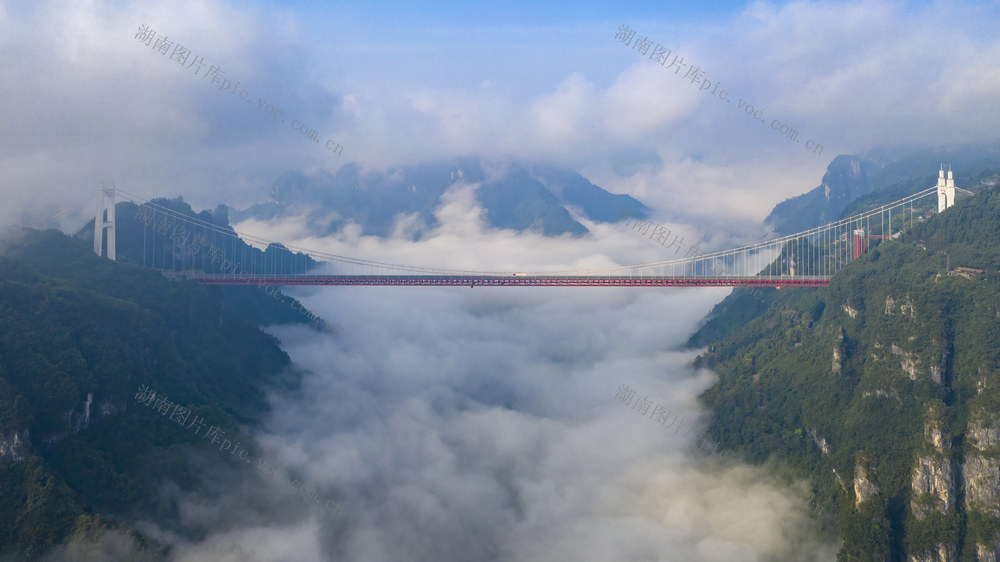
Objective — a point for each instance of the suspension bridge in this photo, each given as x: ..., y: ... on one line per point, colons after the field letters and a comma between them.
x: 190, y: 247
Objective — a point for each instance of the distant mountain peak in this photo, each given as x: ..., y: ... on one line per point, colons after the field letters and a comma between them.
x: 850, y: 177
x: 514, y: 195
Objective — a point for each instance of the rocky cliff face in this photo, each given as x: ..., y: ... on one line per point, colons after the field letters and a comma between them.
x: 943, y: 553
x: 13, y: 445
x: 838, y: 352
x: 820, y: 441
x: 864, y: 488
x: 846, y: 178
x: 981, y: 472
x: 932, y: 484
x: 936, y: 479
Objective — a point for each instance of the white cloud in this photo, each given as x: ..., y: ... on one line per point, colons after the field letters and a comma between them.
x: 83, y: 100
x: 565, y: 115
x: 645, y: 101
x: 482, y: 423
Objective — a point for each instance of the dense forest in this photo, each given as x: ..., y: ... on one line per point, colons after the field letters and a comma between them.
x: 81, y: 338
x: 882, y: 388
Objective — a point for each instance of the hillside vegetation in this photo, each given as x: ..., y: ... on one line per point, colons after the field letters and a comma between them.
x: 882, y: 388
x: 79, y: 336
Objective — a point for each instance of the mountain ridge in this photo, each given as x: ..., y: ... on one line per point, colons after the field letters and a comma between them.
x: 513, y: 195
x: 850, y: 177
x: 883, y: 389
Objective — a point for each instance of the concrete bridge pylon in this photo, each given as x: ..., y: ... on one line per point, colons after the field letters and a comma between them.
x: 102, y: 222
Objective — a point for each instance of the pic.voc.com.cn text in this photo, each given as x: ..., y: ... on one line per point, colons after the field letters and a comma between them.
x: 696, y: 75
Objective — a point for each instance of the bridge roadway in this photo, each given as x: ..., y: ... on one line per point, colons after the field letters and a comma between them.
x: 512, y: 280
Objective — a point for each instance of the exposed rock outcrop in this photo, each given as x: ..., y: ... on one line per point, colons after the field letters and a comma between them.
x: 910, y: 362
x: 943, y: 553
x: 13, y: 445
x: 932, y: 484
x: 905, y: 306
x: 824, y: 447
x: 981, y: 472
x: 838, y: 352
x: 880, y: 393
x: 932, y: 480
x: 864, y: 488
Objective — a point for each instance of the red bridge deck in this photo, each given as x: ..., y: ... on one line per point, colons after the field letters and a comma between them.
x: 512, y: 281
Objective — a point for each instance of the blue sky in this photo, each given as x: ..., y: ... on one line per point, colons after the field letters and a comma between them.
x: 479, y: 14
x: 397, y: 83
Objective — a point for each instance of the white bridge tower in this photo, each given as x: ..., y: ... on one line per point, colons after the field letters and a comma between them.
x: 105, y: 202
x: 945, y: 189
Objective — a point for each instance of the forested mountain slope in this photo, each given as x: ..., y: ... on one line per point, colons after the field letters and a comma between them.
x: 79, y: 336
x: 883, y: 389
